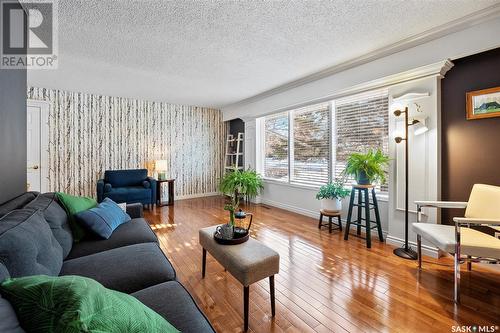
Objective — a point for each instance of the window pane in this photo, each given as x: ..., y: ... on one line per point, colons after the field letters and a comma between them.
x: 362, y: 123
x: 311, y: 144
x: 276, y: 146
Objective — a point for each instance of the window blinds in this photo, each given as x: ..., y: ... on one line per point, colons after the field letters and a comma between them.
x: 310, y: 144
x: 276, y: 146
x: 361, y: 122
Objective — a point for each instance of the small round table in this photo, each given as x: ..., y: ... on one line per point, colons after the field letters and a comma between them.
x: 330, y: 216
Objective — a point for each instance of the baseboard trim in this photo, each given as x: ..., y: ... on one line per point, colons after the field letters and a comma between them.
x: 426, y: 249
x: 302, y: 211
x: 193, y: 196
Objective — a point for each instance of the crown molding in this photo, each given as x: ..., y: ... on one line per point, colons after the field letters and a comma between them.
x: 437, y: 69
x: 407, y: 43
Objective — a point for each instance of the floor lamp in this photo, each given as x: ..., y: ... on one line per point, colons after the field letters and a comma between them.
x: 406, y: 252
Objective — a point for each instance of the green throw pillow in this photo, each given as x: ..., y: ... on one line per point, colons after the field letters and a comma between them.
x: 78, y: 304
x: 74, y: 205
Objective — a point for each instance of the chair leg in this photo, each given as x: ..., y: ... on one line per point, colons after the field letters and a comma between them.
x: 329, y: 224
x: 203, y: 263
x: 456, y: 291
x: 271, y: 290
x: 377, y: 216
x: 340, y: 223
x: 349, y: 215
x: 246, y: 292
x: 320, y: 220
x: 419, y: 251
x: 469, y: 263
x: 367, y: 220
x: 360, y: 211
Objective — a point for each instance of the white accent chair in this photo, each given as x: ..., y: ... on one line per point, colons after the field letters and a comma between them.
x: 482, y: 209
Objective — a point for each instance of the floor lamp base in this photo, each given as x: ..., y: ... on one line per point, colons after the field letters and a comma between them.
x: 406, y: 253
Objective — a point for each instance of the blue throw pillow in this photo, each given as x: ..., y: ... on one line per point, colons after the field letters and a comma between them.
x: 104, y: 218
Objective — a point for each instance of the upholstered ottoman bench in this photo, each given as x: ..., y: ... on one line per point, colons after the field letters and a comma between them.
x: 248, y: 262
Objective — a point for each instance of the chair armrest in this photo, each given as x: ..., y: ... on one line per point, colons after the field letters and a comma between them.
x: 100, y: 190
x: 476, y: 221
x: 135, y: 210
x: 152, y: 181
x: 441, y: 204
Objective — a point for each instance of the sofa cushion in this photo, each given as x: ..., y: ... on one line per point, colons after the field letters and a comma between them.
x: 136, y: 231
x: 17, y: 202
x: 8, y: 318
x: 126, y: 269
x: 27, y: 246
x: 120, y: 178
x: 103, y: 219
x: 174, y: 303
x: 129, y: 194
x: 74, y: 205
x: 56, y: 217
x: 78, y: 304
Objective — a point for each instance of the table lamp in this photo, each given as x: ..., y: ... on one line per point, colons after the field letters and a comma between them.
x: 161, y: 167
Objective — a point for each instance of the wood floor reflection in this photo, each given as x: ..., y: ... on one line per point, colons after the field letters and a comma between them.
x: 325, y: 284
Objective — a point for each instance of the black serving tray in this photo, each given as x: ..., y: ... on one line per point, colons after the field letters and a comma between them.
x: 240, y: 238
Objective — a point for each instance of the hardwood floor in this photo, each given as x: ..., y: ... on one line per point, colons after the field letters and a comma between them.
x: 325, y: 284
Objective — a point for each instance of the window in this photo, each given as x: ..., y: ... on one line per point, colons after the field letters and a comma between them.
x: 276, y: 146
x: 361, y: 123
x: 310, y: 145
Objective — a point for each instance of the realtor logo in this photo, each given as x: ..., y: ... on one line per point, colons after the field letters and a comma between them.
x: 29, y: 38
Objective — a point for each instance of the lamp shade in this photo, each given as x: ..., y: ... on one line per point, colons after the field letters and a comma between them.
x: 161, y: 165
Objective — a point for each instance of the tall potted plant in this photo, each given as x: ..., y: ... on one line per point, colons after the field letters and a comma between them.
x: 367, y: 168
x: 239, y: 183
x: 331, y: 195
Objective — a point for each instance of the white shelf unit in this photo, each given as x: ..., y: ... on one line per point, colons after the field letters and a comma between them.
x: 234, y: 152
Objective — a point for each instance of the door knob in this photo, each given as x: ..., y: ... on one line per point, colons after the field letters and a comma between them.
x: 34, y: 167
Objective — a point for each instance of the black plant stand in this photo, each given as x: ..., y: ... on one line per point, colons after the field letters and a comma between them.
x: 363, y: 190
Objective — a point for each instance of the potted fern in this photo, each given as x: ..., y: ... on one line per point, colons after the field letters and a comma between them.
x: 331, y: 195
x: 367, y: 168
x: 236, y: 184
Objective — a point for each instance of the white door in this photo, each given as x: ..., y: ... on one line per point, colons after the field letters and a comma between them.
x: 36, y: 131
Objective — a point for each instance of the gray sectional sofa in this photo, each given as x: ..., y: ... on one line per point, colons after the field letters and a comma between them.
x: 130, y: 261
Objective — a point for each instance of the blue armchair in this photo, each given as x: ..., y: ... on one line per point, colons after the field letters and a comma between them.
x: 130, y: 186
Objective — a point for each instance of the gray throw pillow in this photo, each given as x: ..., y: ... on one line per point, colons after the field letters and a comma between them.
x: 56, y: 217
x: 27, y: 246
x: 8, y: 318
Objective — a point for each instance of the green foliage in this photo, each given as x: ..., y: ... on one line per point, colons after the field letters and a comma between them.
x: 239, y: 183
x: 373, y: 164
x: 333, y: 190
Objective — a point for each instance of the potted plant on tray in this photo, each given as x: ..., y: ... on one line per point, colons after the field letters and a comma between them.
x: 367, y: 168
x: 331, y: 195
x: 237, y: 184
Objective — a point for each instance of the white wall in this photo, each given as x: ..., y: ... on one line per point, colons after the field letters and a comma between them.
x: 469, y: 41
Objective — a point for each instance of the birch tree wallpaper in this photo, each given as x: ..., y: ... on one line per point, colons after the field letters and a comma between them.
x: 89, y: 134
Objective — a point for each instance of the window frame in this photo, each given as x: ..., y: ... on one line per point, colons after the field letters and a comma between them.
x: 287, y: 181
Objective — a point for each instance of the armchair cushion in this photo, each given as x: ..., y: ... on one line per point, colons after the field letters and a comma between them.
x: 130, y: 194
x: 107, y: 187
x: 121, y: 178
x: 472, y: 242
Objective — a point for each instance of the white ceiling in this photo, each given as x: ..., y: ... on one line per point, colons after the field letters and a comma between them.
x: 214, y: 53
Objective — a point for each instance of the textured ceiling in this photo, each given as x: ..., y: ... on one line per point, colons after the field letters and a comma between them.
x: 214, y: 53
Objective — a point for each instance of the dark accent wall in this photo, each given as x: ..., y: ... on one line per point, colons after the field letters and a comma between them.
x: 12, y: 132
x: 470, y: 148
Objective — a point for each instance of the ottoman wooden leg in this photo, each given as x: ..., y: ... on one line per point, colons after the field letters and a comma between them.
x: 271, y: 289
x: 246, y: 292
x: 203, y: 263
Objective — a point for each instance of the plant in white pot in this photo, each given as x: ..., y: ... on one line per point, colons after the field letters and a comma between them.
x: 331, y: 195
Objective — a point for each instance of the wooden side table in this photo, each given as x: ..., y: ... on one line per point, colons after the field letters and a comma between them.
x: 170, y: 201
